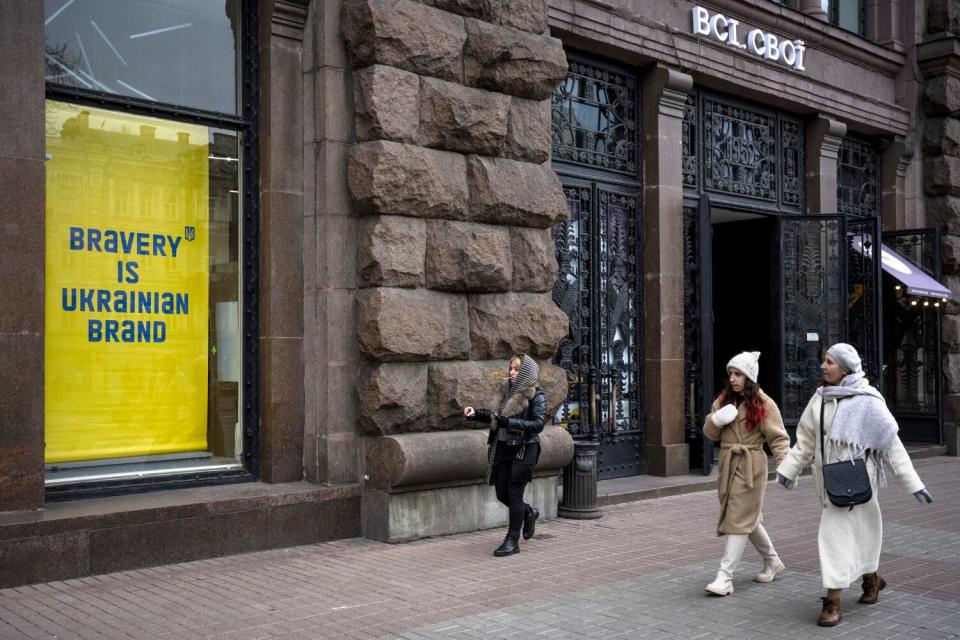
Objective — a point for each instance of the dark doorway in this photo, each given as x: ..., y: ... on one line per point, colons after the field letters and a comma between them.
x: 745, y: 302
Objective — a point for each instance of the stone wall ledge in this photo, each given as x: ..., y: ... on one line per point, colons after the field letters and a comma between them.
x: 416, y: 460
x: 101, y: 535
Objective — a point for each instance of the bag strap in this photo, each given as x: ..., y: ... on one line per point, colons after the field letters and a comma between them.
x: 823, y: 451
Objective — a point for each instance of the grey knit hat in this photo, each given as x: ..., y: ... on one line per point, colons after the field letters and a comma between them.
x: 846, y: 356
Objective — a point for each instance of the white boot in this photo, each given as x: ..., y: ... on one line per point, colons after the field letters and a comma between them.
x: 772, y: 566
x: 722, y: 585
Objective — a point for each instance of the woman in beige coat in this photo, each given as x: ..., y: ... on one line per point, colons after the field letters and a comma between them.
x: 856, y: 424
x: 743, y: 417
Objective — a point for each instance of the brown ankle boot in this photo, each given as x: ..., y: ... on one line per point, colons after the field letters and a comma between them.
x: 872, y: 585
x: 830, y: 615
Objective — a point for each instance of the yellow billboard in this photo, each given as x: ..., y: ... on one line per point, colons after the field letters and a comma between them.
x: 127, y: 285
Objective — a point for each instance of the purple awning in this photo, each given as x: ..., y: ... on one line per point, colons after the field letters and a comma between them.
x: 918, y: 283
x: 916, y: 280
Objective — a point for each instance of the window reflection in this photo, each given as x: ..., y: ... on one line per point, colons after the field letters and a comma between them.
x: 174, y: 51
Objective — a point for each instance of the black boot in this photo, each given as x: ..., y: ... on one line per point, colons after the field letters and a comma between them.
x: 530, y: 522
x: 510, y: 545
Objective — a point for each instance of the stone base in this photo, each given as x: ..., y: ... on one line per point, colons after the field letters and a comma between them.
x: 103, y: 535
x: 408, y: 515
x: 668, y: 459
x: 951, y: 438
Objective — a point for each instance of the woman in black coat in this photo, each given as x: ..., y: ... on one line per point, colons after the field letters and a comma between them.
x: 513, y: 446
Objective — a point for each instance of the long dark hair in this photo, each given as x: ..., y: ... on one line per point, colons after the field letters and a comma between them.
x: 756, y: 411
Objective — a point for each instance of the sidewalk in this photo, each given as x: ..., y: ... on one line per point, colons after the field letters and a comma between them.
x: 638, y: 572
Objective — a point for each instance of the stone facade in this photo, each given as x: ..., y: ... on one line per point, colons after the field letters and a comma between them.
x: 406, y: 204
x: 455, y: 256
x: 939, y: 59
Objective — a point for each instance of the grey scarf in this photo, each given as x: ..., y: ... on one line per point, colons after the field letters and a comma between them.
x: 862, y: 422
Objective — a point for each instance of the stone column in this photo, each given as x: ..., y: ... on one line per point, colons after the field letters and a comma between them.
x: 664, y: 99
x: 939, y: 60
x: 281, y: 230
x: 887, y: 19
x: 332, y: 444
x: 22, y: 254
x: 823, y: 138
x: 894, y: 161
x: 455, y: 260
x: 813, y: 8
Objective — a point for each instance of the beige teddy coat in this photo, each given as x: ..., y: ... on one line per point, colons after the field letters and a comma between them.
x: 742, y: 468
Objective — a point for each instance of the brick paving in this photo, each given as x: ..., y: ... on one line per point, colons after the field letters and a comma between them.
x: 638, y: 572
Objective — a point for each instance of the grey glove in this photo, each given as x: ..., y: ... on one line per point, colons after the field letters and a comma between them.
x: 923, y: 496
x: 785, y: 482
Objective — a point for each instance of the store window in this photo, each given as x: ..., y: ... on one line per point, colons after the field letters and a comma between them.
x: 846, y: 14
x: 145, y: 210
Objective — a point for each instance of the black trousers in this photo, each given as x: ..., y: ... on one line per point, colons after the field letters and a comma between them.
x: 510, y: 479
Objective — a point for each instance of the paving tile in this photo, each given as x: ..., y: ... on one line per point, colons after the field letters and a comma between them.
x: 638, y: 572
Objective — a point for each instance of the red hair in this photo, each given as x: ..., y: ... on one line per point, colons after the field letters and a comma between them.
x: 756, y: 411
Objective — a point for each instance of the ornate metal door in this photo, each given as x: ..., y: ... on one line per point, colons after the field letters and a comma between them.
x: 863, y: 293
x: 813, y: 304
x: 697, y: 325
x: 830, y: 293
x: 912, y: 357
x: 596, y: 151
x: 599, y: 250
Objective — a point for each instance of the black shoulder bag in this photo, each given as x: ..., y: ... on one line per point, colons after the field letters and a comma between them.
x: 847, y: 483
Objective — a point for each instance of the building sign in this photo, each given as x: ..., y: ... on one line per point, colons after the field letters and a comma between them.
x: 757, y: 42
x: 127, y: 280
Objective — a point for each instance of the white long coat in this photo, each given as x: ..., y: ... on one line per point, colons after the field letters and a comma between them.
x: 848, y: 540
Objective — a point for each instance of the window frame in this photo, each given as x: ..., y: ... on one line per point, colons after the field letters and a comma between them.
x: 246, y: 124
x: 833, y: 16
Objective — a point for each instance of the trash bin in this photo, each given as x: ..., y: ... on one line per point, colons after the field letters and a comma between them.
x: 580, y: 483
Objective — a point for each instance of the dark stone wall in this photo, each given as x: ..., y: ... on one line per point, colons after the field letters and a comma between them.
x: 939, y: 60
x: 22, y: 251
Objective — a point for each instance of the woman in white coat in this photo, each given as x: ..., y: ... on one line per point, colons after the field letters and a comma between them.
x: 856, y: 423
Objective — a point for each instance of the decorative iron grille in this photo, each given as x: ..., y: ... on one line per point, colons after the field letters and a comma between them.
x: 912, y: 364
x: 739, y: 151
x: 691, y: 169
x: 791, y: 163
x: 599, y: 250
x: 693, y: 361
x: 571, y: 292
x: 813, y: 306
x: 595, y: 131
x: 863, y: 281
x: 858, y: 178
x: 743, y: 153
x: 594, y: 119
x: 620, y: 330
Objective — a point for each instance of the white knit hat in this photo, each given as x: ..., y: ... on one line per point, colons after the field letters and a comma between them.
x: 747, y: 362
